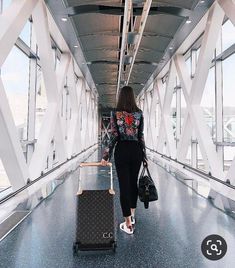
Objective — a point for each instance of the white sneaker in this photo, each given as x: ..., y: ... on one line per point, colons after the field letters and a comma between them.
x: 124, y: 228
x: 132, y: 219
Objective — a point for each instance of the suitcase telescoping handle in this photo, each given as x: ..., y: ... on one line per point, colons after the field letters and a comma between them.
x: 97, y: 164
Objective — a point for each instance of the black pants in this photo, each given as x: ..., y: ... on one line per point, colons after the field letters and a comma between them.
x: 128, y: 157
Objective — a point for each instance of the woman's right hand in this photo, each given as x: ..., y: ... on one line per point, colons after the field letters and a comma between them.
x: 104, y: 162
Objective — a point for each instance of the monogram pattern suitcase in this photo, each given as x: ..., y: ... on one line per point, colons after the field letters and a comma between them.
x: 95, y: 227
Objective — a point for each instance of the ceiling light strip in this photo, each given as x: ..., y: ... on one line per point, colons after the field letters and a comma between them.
x: 126, y: 21
x: 144, y: 17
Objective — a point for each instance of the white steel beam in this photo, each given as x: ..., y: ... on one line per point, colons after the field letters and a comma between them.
x: 219, y: 99
x: 12, y: 22
x: 32, y: 102
x: 229, y: 9
x: 126, y: 22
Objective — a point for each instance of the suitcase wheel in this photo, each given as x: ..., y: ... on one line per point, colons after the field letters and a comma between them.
x: 114, y: 245
x: 75, y: 249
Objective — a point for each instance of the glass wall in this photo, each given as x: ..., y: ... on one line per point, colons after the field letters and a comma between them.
x: 208, y: 102
x: 26, y: 93
x: 228, y: 98
x: 15, y: 75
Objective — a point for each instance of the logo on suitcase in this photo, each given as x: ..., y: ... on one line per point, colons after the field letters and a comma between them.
x: 108, y: 235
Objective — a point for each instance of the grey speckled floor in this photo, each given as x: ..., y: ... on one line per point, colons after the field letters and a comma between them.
x: 167, y: 235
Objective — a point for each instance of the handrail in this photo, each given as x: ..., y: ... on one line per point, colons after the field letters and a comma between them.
x: 195, y: 170
x: 4, y: 199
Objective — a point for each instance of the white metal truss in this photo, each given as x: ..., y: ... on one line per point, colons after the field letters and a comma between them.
x: 143, y: 20
x: 192, y: 88
x: 130, y: 51
x: 126, y: 22
x: 55, y: 134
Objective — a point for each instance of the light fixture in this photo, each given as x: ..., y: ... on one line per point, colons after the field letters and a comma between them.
x: 170, y: 48
x: 75, y: 46
x: 64, y: 19
x: 202, y: 1
x: 188, y: 21
x: 128, y: 59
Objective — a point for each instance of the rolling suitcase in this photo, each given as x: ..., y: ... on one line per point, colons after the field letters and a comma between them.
x: 95, y: 229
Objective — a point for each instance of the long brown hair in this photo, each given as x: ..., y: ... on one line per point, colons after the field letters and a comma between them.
x: 126, y: 100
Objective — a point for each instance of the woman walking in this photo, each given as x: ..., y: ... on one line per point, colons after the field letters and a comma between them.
x: 127, y: 124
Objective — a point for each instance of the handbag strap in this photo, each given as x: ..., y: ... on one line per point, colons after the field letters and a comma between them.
x: 142, y: 172
x: 148, y: 172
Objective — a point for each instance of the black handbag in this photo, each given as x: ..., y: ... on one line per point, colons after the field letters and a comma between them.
x: 147, y: 190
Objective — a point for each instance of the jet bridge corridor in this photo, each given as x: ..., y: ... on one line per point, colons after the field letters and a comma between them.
x: 62, y: 66
x: 168, y: 234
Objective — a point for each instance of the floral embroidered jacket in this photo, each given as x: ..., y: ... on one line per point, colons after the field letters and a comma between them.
x: 125, y: 126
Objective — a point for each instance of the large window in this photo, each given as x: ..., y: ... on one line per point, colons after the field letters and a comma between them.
x: 5, y: 4
x: 228, y: 35
x: 25, y: 34
x: 229, y: 109
x: 15, y: 76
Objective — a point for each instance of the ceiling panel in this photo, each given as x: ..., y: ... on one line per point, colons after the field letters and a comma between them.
x: 87, y: 23
x: 105, y: 67
x: 151, y: 56
x: 90, y: 42
x: 165, y: 25
x: 154, y: 43
x: 95, y: 55
x: 138, y: 79
x: 87, y: 2
x: 146, y: 67
x: 189, y: 4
